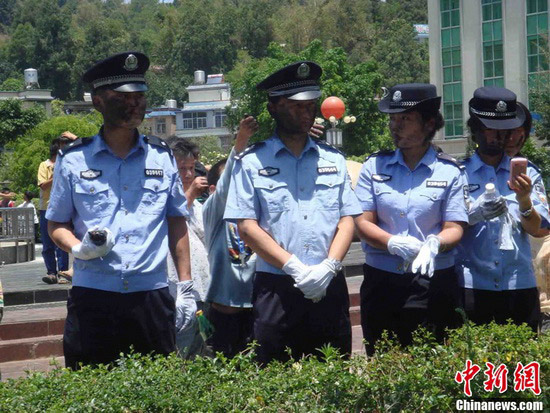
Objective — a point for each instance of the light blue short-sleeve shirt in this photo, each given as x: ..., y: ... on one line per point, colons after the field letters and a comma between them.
x: 297, y: 200
x: 414, y: 203
x: 93, y: 187
x: 480, y: 263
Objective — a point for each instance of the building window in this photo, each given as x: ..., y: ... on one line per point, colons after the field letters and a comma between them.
x: 161, y: 126
x: 452, y: 69
x: 537, y: 39
x: 194, y: 120
x: 219, y: 118
x: 493, y: 60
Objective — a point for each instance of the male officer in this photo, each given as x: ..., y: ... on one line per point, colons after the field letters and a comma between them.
x: 126, y: 184
x: 292, y: 199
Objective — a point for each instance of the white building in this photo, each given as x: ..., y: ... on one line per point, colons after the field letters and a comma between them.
x: 205, y: 113
x: 476, y: 43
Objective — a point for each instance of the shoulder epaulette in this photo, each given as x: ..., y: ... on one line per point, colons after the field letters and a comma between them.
x: 379, y: 153
x: 75, y: 144
x: 325, y: 144
x: 448, y: 158
x: 156, y: 141
x: 249, y: 149
x: 535, y: 167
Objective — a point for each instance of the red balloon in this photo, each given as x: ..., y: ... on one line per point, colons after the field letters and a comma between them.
x: 333, y: 106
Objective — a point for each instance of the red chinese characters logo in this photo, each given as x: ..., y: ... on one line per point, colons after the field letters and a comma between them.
x: 466, y: 375
x: 525, y: 377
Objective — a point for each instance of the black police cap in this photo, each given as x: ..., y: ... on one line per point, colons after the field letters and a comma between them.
x: 496, y: 108
x: 298, y: 81
x: 123, y: 72
x: 410, y: 96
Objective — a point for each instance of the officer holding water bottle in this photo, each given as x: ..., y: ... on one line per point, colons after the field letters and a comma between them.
x: 494, y: 262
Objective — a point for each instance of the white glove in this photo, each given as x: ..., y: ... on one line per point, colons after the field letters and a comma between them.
x: 406, y: 247
x: 425, y: 260
x: 87, y: 250
x: 482, y: 210
x: 186, y: 306
x: 314, y: 285
x: 295, y: 268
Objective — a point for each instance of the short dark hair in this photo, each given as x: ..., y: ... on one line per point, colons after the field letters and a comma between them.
x: 54, y: 147
x: 439, y: 122
x: 184, y: 148
x: 5, y: 190
x: 214, y: 173
x: 29, y: 195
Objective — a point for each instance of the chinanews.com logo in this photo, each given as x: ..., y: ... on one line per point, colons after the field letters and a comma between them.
x: 525, y: 378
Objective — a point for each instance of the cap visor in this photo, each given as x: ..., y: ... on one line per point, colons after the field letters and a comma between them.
x: 309, y: 95
x: 131, y: 87
x: 503, y: 124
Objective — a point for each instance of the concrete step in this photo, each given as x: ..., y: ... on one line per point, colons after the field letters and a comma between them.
x: 33, y: 321
x: 19, y: 368
x: 31, y: 348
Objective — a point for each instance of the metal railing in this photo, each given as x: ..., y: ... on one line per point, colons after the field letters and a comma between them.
x: 17, y: 226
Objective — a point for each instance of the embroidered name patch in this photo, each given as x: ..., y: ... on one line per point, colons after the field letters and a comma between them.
x: 327, y: 170
x: 473, y: 187
x: 154, y: 172
x: 381, y: 177
x: 269, y: 171
x: 436, y: 184
x: 90, y: 174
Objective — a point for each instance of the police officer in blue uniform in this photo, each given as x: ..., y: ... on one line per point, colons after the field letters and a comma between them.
x: 126, y: 185
x: 292, y: 199
x: 414, y: 212
x: 498, y: 282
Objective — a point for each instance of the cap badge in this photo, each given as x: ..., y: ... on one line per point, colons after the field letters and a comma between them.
x: 131, y: 63
x: 502, y: 106
x: 303, y: 71
x: 396, y: 96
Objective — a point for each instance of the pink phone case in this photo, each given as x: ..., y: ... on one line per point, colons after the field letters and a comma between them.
x: 517, y: 166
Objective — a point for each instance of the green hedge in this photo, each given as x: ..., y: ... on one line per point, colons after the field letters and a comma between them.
x: 419, y: 379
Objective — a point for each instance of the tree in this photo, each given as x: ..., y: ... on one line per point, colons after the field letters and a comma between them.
x: 539, y: 102
x: 19, y: 163
x: 12, y: 84
x: 15, y: 120
x: 356, y: 85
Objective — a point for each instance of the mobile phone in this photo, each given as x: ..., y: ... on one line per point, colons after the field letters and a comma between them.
x: 517, y: 166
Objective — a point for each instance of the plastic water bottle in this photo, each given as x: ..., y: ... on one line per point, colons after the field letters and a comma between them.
x: 505, y: 227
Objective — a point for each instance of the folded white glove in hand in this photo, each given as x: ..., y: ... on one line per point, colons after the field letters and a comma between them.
x: 186, y: 306
x: 425, y: 260
x: 483, y: 210
x: 314, y: 285
x: 87, y: 250
x: 295, y: 268
x: 406, y: 247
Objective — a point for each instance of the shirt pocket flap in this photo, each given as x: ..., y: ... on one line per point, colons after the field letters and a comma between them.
x: 381, y: 188
x: 90, y: 187
x: 154, y: 184
x: 433, y: 195
x: 268, y: 184
x: 330, y: 181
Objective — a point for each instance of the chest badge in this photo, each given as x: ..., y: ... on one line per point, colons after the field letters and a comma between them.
x: 269, y: 171
x: 90, y: 174
x: 381, y: 177
x: 436, y: 184
x: 473, y: 187
x: 159, y: 173
x: 327, y: 170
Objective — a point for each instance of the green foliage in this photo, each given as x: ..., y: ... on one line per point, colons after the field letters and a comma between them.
x: 15, y: 120
x: 540, y: 157
x: 210, y: 149
x: 357, y: 85
x: 418, y: 379
x: 19, y: 163
x: 12, y: 84
x: 539, y: 100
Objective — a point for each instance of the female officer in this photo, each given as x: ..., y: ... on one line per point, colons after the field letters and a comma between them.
x: 414, y: 207
x: 498, y: 283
